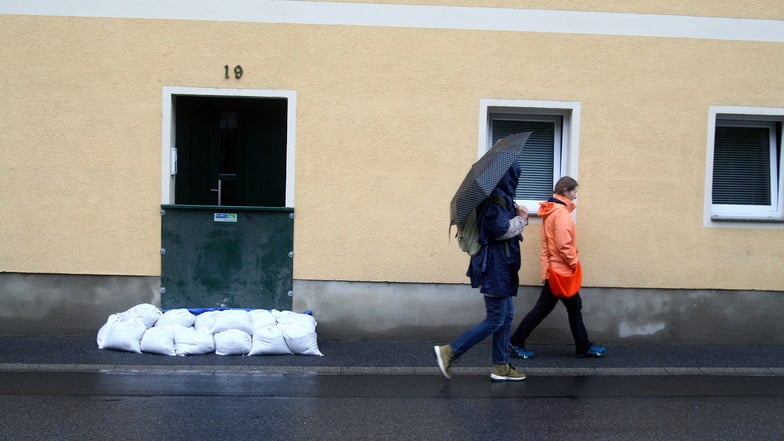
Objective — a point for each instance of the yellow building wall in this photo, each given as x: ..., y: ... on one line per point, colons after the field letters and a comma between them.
x: 767, y: 9
x: 387, y: 122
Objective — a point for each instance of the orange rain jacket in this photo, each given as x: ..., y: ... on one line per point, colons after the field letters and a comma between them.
x: 560, y: 263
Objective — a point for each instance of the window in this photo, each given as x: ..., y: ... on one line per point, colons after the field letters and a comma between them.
x: 745, y: 165
x: 549, y: 153
x: 282, y: 104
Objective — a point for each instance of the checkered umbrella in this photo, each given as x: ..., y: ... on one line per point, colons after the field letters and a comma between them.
x: 484, y: 175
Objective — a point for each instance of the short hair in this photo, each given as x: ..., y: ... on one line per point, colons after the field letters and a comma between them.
x: 566, y: 183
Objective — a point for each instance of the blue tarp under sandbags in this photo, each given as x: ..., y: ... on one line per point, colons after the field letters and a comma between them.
x: 145, y: 328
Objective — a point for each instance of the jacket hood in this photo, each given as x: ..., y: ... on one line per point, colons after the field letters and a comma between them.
x: 508, y: 184
x: 552, y: 204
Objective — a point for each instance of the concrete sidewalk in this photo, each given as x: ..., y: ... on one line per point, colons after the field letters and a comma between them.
x: 376, y: 357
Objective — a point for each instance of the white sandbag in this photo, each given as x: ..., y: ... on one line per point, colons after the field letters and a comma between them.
x: 232, y: 319
x: 287, y: 317
x: 269, y: 340
x: 191, y: 341
x: 147, y: 313
x: 232, y: 342
x: 301, y: 338
x: 260, y: 318
x: 122, y: 335
x: 159, y: 340
x: 106, y: 329
x: 180, y: 317
x: 205, y: 321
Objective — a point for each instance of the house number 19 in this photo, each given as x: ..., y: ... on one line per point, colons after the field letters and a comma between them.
x: 237, y: 71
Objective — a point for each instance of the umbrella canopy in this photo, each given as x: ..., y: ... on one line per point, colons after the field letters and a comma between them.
x: 484, y: 175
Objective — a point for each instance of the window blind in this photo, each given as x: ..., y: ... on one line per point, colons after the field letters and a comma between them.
x: 741, y: 166
x: 536, y: 161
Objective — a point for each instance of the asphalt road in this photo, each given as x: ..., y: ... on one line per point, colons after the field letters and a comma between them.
x: 125, y: 405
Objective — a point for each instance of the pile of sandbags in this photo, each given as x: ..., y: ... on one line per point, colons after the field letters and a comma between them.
x: 145, y: 328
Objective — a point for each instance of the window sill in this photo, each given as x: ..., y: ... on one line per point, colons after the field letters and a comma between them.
x: 758, y: 220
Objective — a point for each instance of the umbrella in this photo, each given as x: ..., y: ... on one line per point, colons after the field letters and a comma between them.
x: 484, y: 175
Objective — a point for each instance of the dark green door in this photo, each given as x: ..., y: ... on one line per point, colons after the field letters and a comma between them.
x: 227, y: 240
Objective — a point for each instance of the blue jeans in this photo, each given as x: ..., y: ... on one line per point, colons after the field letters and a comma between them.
x: 497, y: 322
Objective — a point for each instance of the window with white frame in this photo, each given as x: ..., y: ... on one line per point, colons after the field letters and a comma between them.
x: 551, y: 149
x: 745, y: 164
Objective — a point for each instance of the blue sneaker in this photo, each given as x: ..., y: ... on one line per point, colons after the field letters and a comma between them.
x: 521, y: 352
x: 593, y: 352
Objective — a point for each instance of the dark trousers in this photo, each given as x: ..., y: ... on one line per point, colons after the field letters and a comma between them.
x: 544, y: 306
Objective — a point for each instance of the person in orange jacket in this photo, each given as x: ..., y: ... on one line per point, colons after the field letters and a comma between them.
x: 561, y: 272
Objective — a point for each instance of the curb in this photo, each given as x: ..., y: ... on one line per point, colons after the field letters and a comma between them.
x: 374, y: 370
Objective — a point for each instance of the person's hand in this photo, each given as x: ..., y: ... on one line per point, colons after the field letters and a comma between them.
x: 522, y: 211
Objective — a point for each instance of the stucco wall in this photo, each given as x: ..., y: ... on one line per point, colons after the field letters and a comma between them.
x: 386, y: 127
x: 710, y: 8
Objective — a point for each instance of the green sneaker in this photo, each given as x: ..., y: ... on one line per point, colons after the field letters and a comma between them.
x: 506, y: 372
x: 445, y: 355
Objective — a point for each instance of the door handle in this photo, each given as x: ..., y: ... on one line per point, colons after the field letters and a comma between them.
x: 219, y: 190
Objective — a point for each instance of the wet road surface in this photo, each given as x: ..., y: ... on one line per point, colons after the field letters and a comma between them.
x: 126, y: 405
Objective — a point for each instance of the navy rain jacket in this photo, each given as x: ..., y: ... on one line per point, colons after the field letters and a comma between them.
x: 494, y: 270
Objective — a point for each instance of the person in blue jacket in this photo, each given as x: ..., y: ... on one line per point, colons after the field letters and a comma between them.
x: 494, y: 270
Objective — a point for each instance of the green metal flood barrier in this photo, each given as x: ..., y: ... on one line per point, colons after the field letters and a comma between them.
x: 222, y: 256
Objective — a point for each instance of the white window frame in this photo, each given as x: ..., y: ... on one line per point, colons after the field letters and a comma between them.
x: 169, y: 150
x: 566, y: 148
x: 740, y: 216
